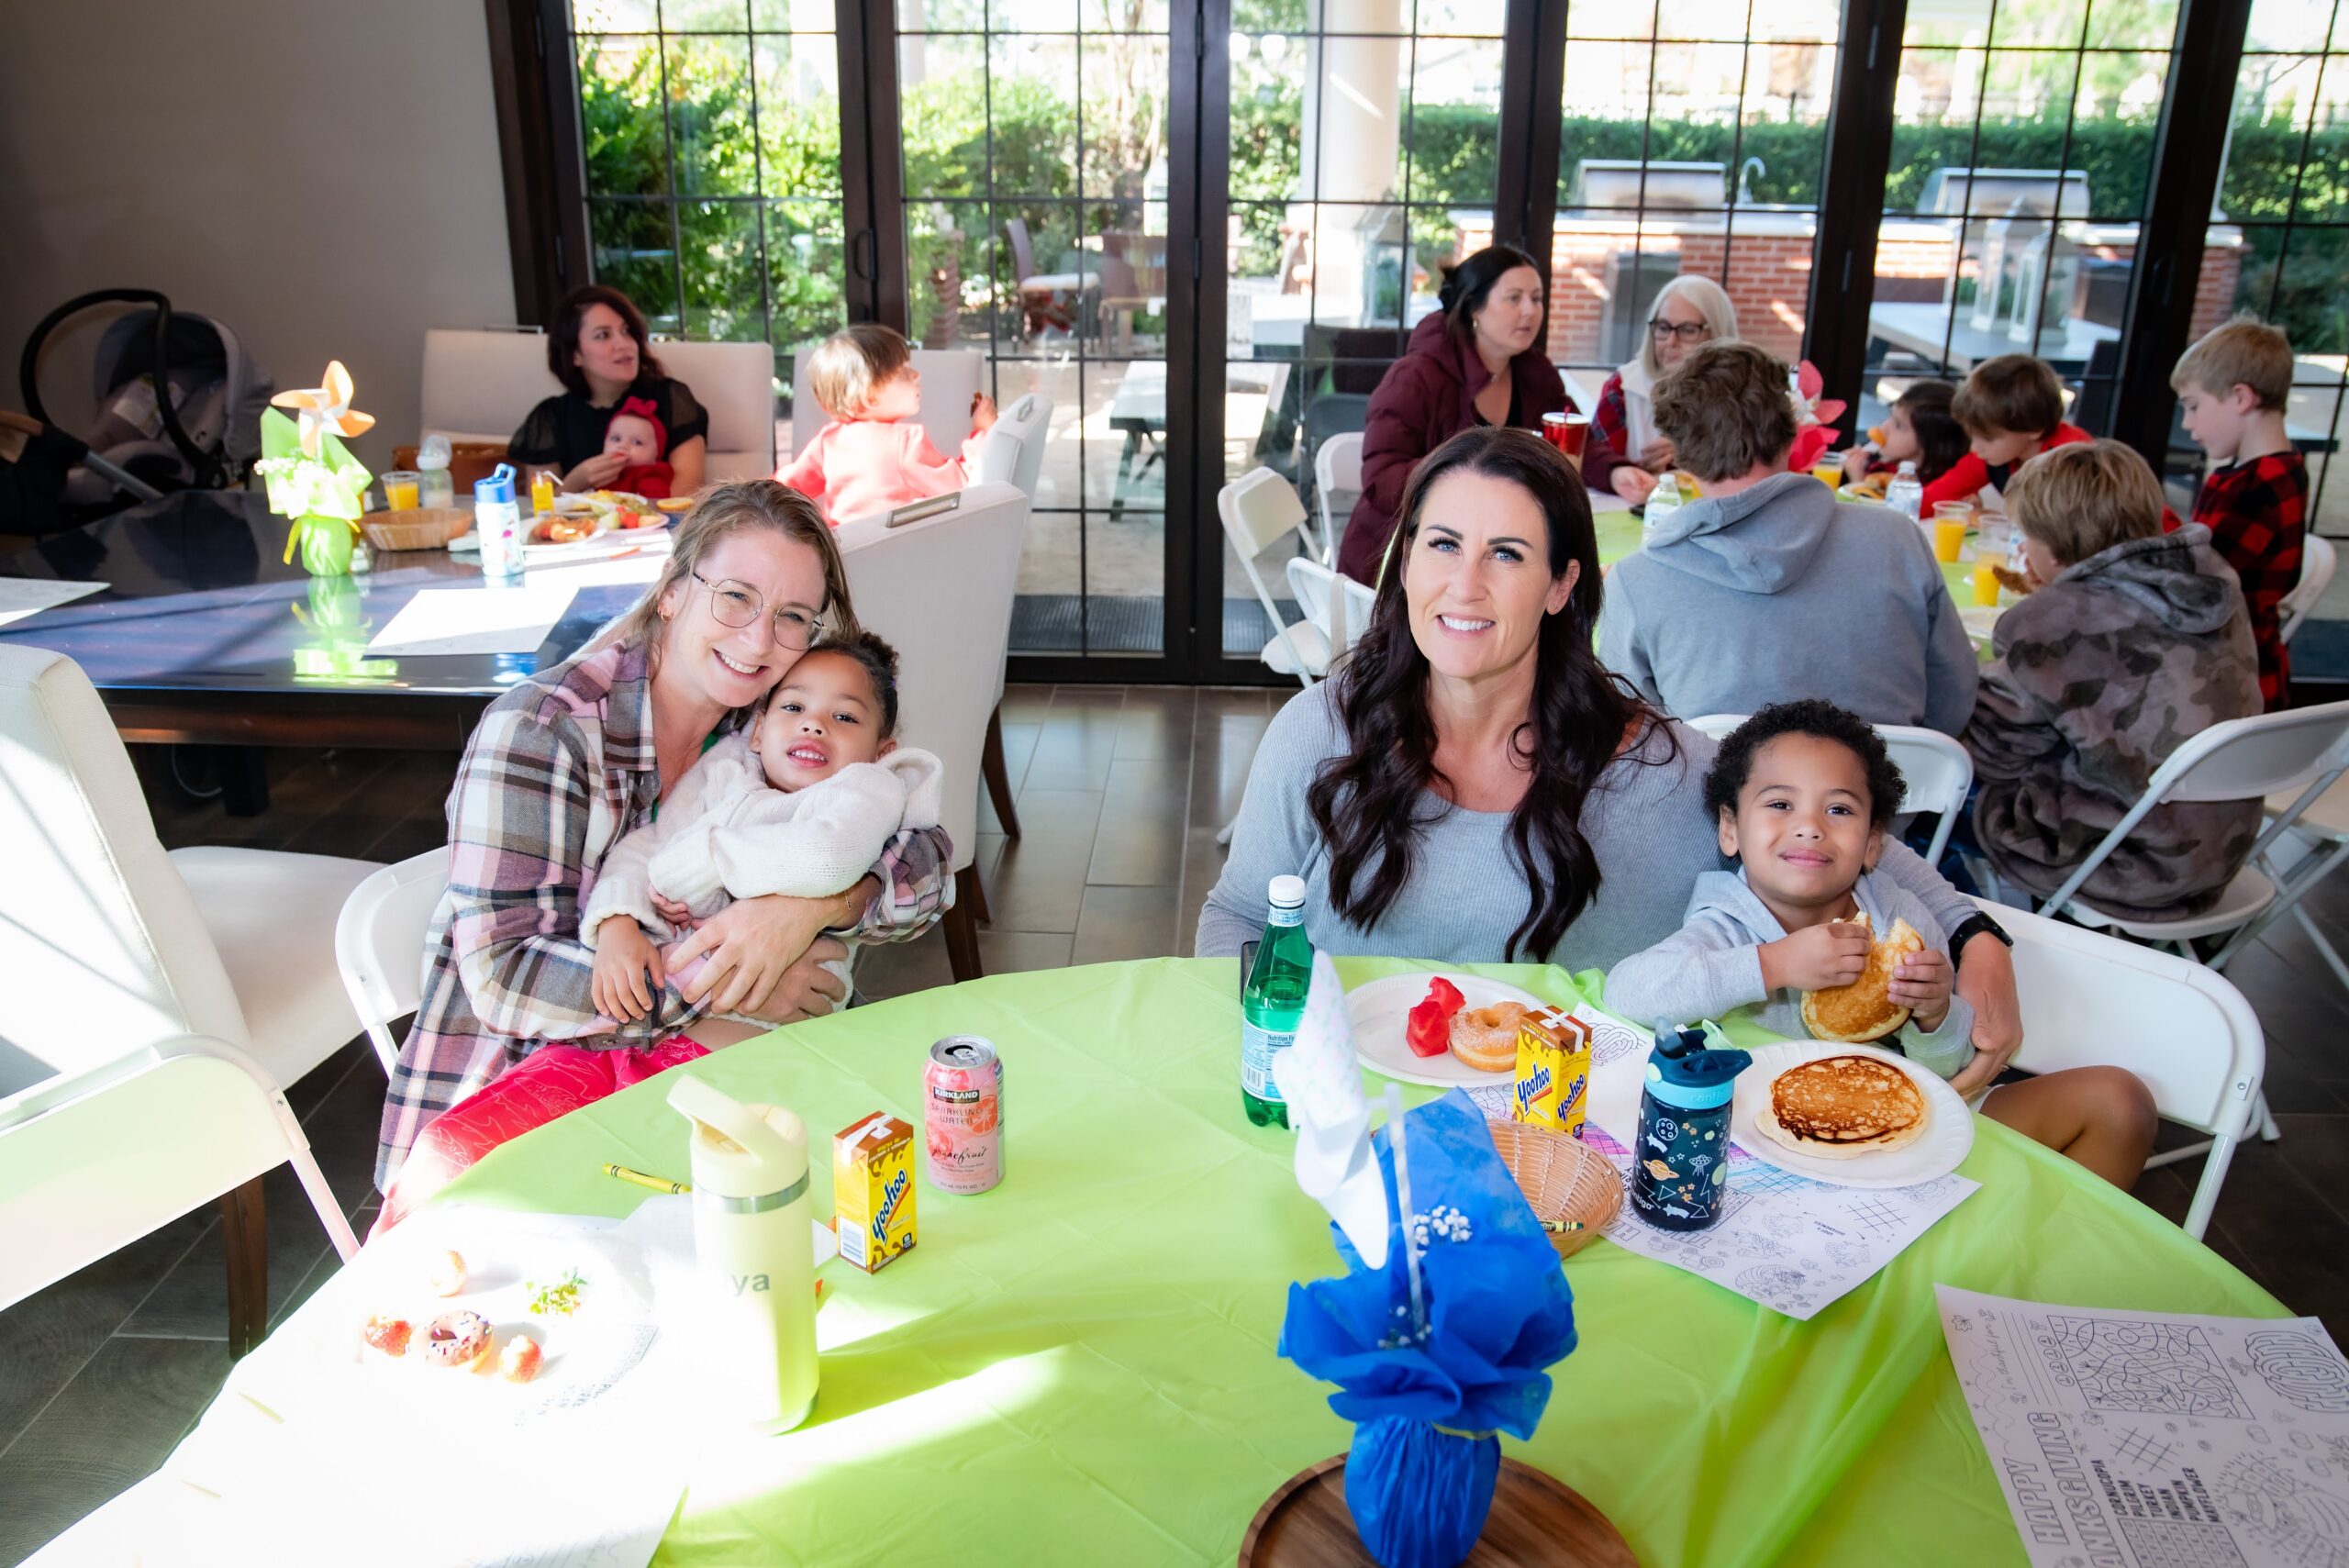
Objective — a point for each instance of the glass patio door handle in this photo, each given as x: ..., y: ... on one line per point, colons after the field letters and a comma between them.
x: 864, y: 254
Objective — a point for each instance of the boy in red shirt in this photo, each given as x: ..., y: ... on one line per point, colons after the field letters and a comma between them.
x: 2231, y: 388
x: 2011, y: 409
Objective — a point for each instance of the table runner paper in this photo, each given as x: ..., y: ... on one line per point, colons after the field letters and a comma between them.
x: 2158, y: 1440
x: 22, y: 596
x: 474, y: 620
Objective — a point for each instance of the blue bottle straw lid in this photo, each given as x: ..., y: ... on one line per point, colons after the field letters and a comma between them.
x: 1694, y: 1069
x: 498, y: 487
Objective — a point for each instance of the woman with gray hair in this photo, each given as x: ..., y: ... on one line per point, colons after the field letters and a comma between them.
x: 1626, y: 450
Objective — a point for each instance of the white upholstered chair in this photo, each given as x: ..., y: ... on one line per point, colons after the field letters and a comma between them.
x: 1014, y: 454
x: 937, y: 583
x: 157, y: 1005
x: 478, y: 386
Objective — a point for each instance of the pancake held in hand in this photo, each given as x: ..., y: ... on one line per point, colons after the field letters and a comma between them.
x: 1839, y: 1108
x: 1863, y: 1010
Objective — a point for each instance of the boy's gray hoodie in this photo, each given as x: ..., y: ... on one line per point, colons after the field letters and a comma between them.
x: 1713, y: 967
x: 1782, y: 592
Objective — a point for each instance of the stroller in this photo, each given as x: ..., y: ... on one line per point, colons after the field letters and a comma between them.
x: 204, y: 435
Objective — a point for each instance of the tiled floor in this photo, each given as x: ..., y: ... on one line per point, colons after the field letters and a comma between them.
x: 1120, y: 792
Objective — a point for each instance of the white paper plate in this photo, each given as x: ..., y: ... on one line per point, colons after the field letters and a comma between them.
x: 1980, y: 619
x: 1378, y: 1013
x: 1949, y: 1135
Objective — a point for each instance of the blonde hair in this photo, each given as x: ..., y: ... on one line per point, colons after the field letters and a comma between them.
x: 853, y: 364
x: 720, y: 512
x: 2085, y: 497
x: 1711, y: 302
x: 2246, y: 352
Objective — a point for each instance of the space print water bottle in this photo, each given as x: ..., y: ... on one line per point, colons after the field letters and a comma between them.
x: 1680, y: 1167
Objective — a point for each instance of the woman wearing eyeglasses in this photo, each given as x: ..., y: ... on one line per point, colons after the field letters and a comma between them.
x: 565, y: 764
x: 1478, y: 361
x: 1626, y: 451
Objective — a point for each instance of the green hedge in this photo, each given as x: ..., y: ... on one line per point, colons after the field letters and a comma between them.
x: 714, y: 261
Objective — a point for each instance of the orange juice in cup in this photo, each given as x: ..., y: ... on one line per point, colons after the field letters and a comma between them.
x: 1986, y: 582
x: 1951, y: 520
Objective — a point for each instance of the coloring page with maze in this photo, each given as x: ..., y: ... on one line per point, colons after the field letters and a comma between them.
x: 1786, y: 1241
x: 2148, y: 1439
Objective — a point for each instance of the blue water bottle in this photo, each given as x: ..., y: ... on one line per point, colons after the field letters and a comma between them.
x: 1680, y: 1168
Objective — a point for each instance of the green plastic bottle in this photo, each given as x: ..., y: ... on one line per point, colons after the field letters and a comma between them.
x: 1273, y: 1001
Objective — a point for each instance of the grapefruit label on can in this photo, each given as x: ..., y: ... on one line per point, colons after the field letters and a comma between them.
x: 963, y: 1114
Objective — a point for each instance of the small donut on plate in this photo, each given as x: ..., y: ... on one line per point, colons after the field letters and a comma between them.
x: 1487, y: 1038
x: 457, y: 1339
x: 445, y: 1276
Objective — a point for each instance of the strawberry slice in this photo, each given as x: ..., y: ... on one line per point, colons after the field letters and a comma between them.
x: 1428, y: 1028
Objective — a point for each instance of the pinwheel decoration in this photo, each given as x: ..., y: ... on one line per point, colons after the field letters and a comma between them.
x: 1816, y: 415
x: 311, y: 476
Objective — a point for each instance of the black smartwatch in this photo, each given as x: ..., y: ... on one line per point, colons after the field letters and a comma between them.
x: 1979, y: 926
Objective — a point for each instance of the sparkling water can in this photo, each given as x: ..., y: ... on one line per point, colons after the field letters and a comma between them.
x: 962, y: 1114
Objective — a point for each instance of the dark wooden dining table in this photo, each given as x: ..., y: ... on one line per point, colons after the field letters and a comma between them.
x: 204, y: 634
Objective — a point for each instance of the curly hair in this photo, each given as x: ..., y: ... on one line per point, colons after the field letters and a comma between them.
x: 879, y: 662
x: 1369, y: 804
x: 1821, y: 720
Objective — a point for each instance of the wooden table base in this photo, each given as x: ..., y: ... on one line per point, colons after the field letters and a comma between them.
x: 1537, y: 1521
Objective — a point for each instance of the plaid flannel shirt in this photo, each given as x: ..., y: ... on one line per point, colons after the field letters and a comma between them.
x: 1603, y: 450
x: 2257, y: 514
x: 559, y: 769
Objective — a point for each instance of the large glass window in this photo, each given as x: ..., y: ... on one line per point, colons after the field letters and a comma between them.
x: 2022, y: 151
x: 1364, y: 143
x: 1036, y: 230
x: 710, y: 132
x: 2281, y: 252
x: 1693, y: 139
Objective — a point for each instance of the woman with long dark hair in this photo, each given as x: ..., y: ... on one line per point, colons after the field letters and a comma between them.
x: 1470, y: 784
x: 599, y: 347
x: 1477, y: 361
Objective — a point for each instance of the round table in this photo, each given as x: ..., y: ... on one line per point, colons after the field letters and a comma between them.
x: 1078, y: 1367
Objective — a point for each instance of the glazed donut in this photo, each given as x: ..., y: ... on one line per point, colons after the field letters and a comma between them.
x: 1486, y: 1039
x: 456, y: 1339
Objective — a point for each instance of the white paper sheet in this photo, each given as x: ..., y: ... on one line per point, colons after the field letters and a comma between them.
x: 1792, y: 1244
x: 2158, y: 1439
x: 475, y: 621
x: 22, y: 596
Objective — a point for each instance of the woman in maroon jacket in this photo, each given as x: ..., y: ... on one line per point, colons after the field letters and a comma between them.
x: 1474, y: 363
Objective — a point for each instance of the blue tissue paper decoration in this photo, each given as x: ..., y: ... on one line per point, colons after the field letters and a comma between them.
x: 1425, y: 1408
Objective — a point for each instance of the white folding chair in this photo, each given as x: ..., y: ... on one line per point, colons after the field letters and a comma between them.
x: 950, y: 379
x: 379, y: 944
x: 1936, y: 773
x: 2320, y: 833
x: 1258, y: 510
x: 2298, y: 752
x: 1337, y: 485
x: 2090, y: 1000
x: 937, y: 583
x: 1354, y: 602
x: 158, y: 1005
x: 2317, y: 560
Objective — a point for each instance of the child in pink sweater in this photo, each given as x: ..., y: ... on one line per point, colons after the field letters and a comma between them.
x: 874, y: 455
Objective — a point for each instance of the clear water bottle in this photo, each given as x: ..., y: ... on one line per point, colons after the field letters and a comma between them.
x: 1905, y: 494
x: 499, y: 524
x: 1273, y: 1001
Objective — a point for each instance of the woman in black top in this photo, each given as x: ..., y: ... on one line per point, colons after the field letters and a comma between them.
x: 600, y: 351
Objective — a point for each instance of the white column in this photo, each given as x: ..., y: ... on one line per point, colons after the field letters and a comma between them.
x: 1351, y: 148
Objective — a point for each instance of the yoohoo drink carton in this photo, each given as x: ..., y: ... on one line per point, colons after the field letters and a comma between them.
x: 1553, y: 1086
x: 873, y: 1190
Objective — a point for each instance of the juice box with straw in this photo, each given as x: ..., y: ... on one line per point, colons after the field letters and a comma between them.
x: 873, y: 1190
x: 1553, y: 1086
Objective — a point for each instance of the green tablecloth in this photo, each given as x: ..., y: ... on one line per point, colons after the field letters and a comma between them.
x: 1078, y: 1367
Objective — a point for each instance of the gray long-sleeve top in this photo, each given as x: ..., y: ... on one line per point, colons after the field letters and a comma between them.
x: 1645, y: 819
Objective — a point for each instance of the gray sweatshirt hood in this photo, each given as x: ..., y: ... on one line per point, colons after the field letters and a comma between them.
x: 2174, y: 576
x: 1756, y: 541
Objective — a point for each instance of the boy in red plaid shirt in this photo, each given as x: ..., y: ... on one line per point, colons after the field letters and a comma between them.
x: 2232, y: 386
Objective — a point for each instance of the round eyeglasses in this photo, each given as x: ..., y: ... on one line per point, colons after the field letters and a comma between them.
x: 738, y: 604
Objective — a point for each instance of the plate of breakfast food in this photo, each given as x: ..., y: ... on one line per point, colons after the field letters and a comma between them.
x: 1445, y: 1030
x: 1841, y: 1109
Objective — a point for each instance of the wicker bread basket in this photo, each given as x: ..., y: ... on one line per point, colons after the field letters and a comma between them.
x: 426, y: 527
x: 1564, y: 1178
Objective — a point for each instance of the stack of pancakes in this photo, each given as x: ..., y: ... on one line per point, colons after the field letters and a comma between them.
x: 1839, y: 1108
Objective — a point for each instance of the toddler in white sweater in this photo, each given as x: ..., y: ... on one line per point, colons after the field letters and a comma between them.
x: 799, y: 802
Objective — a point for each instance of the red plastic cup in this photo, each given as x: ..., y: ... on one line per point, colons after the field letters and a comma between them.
x: 1566, y: 432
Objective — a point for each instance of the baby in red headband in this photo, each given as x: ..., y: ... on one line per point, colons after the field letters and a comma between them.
x: 636, y: 432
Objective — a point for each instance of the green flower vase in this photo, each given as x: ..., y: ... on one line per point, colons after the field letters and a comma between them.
x: 325, y: 546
